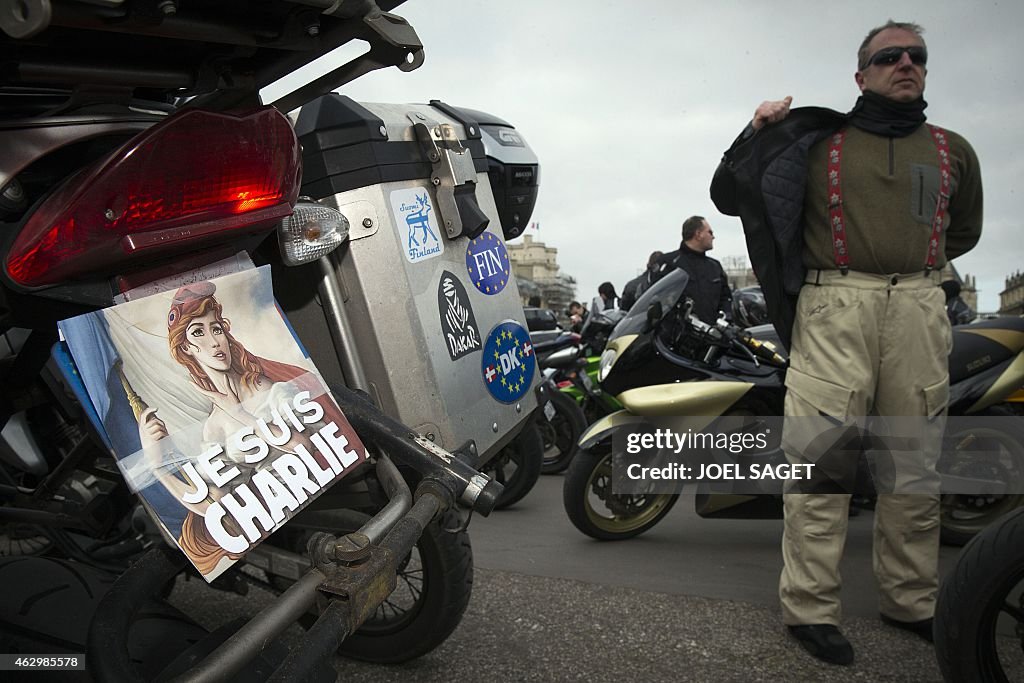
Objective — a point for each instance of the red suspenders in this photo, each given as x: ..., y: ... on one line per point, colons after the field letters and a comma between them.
x: 840, y: 251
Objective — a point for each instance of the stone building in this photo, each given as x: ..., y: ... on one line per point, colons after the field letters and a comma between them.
x: 1011, y: 299
x: 536, y: 268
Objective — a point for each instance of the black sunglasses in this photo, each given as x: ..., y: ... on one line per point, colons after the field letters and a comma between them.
x: 891, y: 55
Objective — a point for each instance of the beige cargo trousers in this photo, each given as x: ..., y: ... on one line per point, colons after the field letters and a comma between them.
x: 866, y: 344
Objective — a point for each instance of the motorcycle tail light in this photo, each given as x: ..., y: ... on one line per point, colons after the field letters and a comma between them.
x: 195, y: 179
x: 310, y: 232
x: 564, y: 385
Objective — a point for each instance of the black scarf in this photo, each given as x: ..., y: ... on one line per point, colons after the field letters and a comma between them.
x: 880, y: 115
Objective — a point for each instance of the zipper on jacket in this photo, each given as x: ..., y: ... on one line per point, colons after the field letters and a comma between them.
x: 892, y: 154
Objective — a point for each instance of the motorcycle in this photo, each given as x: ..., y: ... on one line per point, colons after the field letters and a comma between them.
x: 979, y: 611
x: 115, y: 176
x: 726, y: 372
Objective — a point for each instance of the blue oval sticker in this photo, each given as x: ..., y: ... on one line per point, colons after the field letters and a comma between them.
x: 488, y: 264
x: 508, y: 362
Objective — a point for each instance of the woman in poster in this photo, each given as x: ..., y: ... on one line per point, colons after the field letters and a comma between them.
x: 244, y: 390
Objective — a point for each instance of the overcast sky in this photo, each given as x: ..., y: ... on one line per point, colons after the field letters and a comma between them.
x: 630, y: 105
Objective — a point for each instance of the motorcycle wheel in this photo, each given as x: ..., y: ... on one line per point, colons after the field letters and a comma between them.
x: 597, y: 512
x: 561, y: 433
x: 979, y: 615
x: 434, y: 583
x: 963, y: 516
x: 517, y: 466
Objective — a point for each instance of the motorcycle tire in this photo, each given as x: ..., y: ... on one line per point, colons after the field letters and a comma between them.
x: 600, y: 514
x: 434, y: 584
x: 517, y: 466
x: 50, y: 606
x: 978, y: 605
x: 561, y: 434
x: 963, y: 516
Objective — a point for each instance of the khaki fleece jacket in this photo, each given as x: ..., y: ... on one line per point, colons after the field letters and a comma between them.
x: 889, y: 188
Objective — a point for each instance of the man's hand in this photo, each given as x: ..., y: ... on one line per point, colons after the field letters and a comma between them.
x: 770, y: 111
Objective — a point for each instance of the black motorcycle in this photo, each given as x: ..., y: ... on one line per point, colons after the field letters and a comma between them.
x: 134, y: 148
x: 661, y: 360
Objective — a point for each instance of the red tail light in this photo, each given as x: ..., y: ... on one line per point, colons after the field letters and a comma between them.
x: 197, y: 178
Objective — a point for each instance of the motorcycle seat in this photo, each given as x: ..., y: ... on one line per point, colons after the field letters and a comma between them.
x: 984, y: 344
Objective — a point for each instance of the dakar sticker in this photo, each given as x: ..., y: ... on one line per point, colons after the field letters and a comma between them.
x: 487, y: 263
x: 508, y: 362
x: 458, y: 324
x: 417, y: 229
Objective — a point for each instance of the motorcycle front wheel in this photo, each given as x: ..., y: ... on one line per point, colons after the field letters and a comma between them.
x: 599, y: 513
x: 561, y: 433
x: 434, y: 583
x: 962, y: 515
x: 979, y: 614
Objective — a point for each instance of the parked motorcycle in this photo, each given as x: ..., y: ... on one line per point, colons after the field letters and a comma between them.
x: 979, y: 612
x: 561, y: 420
x: 725, y: 371
x: 134, y: 148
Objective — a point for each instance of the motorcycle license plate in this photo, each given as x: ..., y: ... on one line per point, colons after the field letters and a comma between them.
x: 587, y: 382
x: 549, y: 411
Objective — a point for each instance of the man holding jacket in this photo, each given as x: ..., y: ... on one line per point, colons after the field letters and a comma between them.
x: 849, y: 219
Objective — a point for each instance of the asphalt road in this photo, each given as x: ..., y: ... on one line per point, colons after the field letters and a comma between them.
x: 691, y: 600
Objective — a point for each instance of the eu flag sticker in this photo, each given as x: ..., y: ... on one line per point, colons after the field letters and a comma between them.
x: 487, y: 263
x: 508, y: 362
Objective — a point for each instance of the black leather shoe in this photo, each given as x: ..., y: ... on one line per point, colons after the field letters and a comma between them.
x: 922, y: 629
x: 825, y: 642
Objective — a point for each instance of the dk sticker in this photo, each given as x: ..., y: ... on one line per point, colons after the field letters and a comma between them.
x: 416, y: 224
x: 508, y: 362
x: 458, y: 324
x: 487, y: 263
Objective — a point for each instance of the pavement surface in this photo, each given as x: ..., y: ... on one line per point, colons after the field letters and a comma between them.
x: 691, y: 600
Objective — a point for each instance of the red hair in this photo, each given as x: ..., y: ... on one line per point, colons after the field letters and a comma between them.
x: 187, y: 307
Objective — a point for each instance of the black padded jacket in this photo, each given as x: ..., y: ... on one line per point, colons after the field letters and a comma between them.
x: 761, y: 179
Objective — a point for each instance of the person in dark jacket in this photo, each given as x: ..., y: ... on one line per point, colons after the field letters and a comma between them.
x: 708, y: 285
x: 635, y: 288
x: 849, y: 219
x: 605, y: 300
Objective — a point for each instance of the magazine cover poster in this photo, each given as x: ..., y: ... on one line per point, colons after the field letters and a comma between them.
x: 216, y: 417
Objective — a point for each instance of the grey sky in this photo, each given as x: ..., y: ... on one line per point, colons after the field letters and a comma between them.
x: 629, y: 106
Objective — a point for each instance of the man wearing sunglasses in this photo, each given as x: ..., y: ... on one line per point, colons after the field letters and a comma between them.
x: 849, y: 218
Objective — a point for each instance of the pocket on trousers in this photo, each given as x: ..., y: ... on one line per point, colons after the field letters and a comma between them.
x: 936, y: 398
x: 829, y: 398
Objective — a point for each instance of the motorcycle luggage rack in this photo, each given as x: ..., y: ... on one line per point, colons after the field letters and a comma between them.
x: 194, y: 53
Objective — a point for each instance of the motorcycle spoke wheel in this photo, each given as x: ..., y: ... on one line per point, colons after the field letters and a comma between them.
x: 432, y: 590
x: 402, y: 605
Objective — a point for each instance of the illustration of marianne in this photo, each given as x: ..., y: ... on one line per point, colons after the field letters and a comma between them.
x: 246, y: 392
